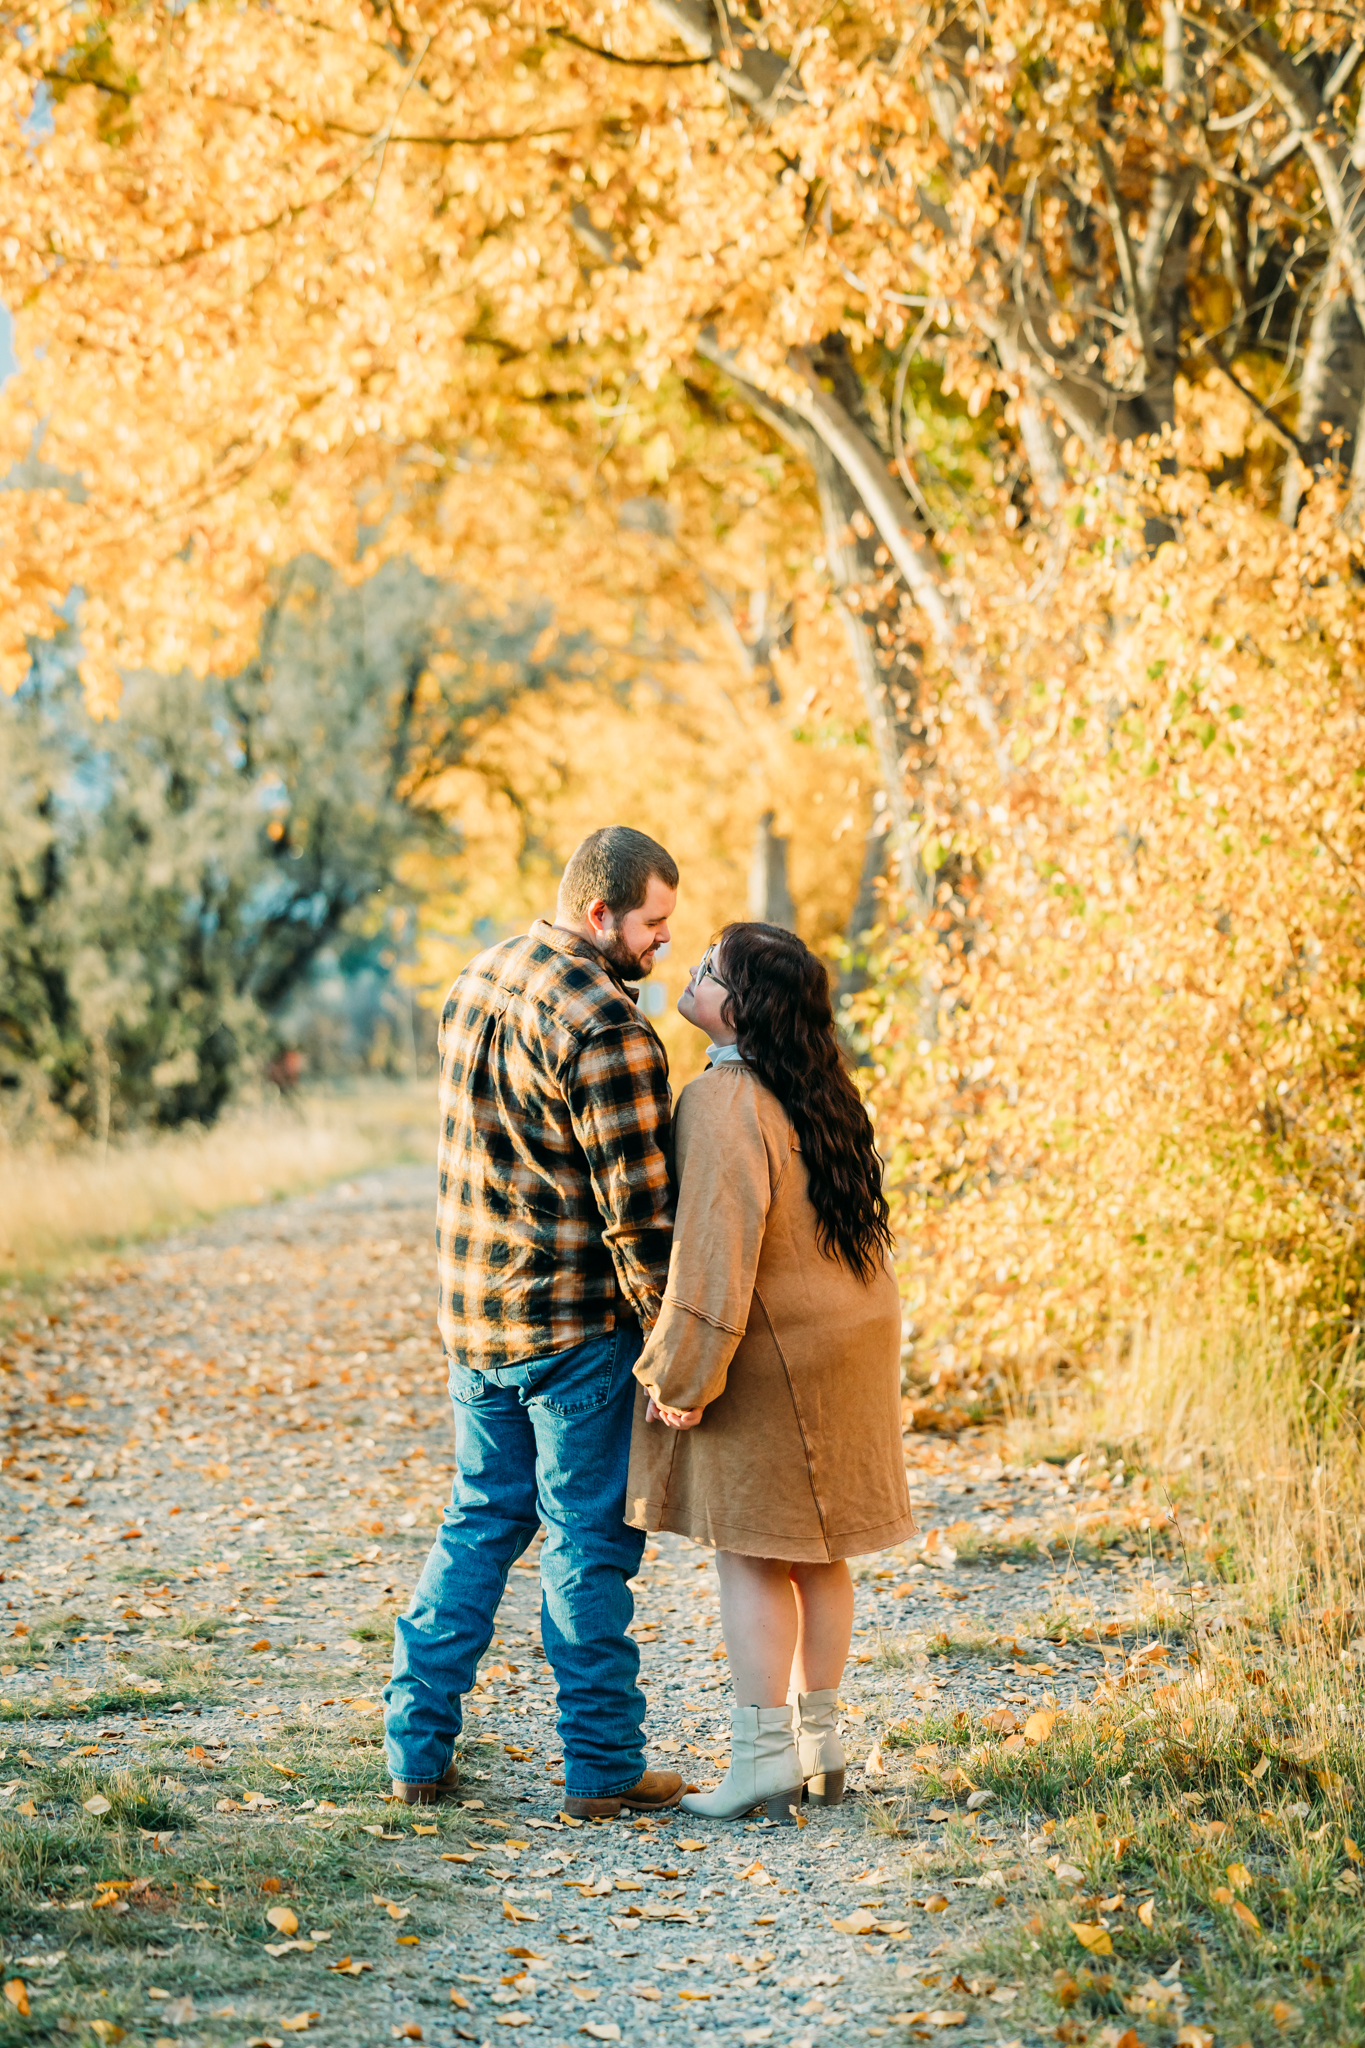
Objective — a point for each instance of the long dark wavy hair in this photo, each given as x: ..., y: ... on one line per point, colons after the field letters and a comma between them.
x: 778, y: 1006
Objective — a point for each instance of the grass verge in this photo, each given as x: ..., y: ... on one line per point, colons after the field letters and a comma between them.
x: 60, y: 1206
x: 220, y: 1900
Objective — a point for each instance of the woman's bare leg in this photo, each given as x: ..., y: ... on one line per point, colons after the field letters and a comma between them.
x: 758, y: 1617
x: 824, y: 1627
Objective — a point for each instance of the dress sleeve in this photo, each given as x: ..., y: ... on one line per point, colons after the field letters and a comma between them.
x: 726, y: 1176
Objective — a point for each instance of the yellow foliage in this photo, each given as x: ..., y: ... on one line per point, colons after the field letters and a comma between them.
x: 1129, y: 1043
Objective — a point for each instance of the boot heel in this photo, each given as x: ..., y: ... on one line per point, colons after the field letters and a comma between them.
x: 779, y: 1807
x: 826, y: 1788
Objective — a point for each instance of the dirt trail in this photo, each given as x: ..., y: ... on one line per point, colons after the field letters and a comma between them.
x: 222, y: 1469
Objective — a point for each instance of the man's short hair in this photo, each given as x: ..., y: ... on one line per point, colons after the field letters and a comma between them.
x: 614, y: 866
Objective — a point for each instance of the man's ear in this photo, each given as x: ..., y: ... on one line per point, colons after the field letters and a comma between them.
x: 599, y: 915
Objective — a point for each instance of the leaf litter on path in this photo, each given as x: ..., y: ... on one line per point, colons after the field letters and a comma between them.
x: 286, y: 1458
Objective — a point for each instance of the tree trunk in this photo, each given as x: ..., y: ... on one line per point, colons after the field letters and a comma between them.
x: 1331, y: 394
x: 770, y: 898
x: 867, y: 911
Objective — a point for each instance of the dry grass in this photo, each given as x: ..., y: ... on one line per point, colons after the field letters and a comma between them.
x: 1253, y: 1438
x: 1177, y: 1857
x: 1180, y: 1862
x: 59, y: 1206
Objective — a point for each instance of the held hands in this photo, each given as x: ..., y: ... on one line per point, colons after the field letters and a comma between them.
x: 673, y: 1418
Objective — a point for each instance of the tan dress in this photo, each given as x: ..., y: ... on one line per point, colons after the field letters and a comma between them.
x: 796, y: 1360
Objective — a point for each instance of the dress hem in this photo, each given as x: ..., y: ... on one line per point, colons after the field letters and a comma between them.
x: 655, y: 1516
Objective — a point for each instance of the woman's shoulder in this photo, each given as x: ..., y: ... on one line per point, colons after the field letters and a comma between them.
x: 724, y: 1080
x: 731, y: 1096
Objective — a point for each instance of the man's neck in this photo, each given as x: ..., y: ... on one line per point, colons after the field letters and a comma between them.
x: 578, y: 931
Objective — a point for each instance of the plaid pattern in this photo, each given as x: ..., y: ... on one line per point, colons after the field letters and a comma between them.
x: 554, y: 1215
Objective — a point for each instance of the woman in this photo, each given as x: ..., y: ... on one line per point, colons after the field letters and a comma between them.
x: 771, y: 1426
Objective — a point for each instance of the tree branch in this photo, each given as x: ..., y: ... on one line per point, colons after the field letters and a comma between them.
x: 761, y: 78
x: 1318, y: 133
x: 564, y: 35
x: 1124, y: 250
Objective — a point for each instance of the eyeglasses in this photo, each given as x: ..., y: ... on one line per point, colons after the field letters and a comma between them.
x: 705, y: 971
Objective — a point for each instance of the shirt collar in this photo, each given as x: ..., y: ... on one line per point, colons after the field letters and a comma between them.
x: 724, y: 1056
x: 561, y: 940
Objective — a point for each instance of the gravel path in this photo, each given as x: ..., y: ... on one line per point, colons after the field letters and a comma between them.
x: 249, y: 1427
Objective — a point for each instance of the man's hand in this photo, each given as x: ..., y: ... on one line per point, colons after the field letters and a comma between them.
x: 673, y: 1418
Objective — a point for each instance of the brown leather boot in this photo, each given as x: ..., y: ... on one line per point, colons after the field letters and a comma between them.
x: 430, y: 1794
x: 649, y: 1794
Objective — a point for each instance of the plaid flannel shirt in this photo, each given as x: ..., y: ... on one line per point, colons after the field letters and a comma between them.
x: 554, y: 1214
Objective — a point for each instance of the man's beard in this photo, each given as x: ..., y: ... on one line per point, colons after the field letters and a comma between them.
x: 630, y: 966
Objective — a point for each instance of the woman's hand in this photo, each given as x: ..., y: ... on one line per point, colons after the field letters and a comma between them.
x: 673, y: 1418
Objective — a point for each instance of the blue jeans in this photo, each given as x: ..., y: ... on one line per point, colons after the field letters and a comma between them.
x: 547, y: 1440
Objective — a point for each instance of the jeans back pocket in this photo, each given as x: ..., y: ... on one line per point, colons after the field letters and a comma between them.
x: 580, y: 1381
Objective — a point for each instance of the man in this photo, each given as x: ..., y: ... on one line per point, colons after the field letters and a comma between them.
x: 553, y: 1228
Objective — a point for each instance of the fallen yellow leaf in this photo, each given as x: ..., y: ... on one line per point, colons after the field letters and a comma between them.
x: 859, y: 1922
x: 16, y: 1992
x: 458, y: 1998
x: 1092, y: 1937
x: 97, y: 1804
x: 425, y: 1831
x: 300, y: 2023
x: 937, y: 1904
x: 1039, y: 1725
x: 1147, y: 1911
x: 1248, y: 1919
x: 283, y: 1919
x: 1239, y: 1877
x: 511, y: 1912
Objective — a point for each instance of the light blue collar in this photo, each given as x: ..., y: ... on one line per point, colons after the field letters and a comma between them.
x: 724, y: 1056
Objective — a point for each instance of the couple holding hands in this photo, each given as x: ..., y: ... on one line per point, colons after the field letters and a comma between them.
x: 654, y: 1319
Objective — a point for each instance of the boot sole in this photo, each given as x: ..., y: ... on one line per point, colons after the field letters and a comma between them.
x: 825, y: 1789
x: 611, y: 1809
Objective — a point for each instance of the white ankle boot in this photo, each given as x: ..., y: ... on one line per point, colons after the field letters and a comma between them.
x: 764, y: 1770
x: 818, y: 1745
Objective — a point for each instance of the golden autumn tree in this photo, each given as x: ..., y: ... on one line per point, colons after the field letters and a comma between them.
x: 1038, y: 337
